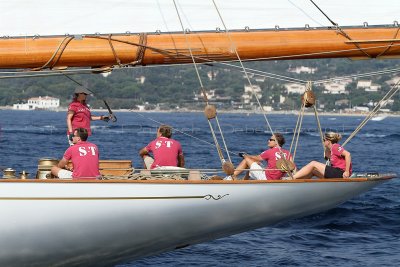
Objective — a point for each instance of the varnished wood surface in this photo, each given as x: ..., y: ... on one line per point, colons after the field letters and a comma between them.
x: 96, y: 51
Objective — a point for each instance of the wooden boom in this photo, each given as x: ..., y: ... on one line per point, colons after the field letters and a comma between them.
x: 174, y: 48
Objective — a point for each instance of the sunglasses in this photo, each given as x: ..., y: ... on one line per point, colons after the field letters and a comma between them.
x: 271, y: 140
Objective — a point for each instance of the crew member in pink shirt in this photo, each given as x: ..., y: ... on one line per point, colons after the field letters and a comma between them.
x: 166, y: 151
x: 84, y: 157
x: 271, y: 155
x: 79, y: 115
x: 340, y: 159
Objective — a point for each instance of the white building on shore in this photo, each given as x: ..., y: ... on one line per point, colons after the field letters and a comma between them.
x: 47, y: 103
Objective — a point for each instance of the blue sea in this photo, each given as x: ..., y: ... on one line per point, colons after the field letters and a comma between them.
x: 364, y: 231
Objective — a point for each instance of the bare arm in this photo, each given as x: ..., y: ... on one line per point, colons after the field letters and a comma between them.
x: 96, y: 118
x: 70, y: 114
x: 62, y: 163
x: 347, y: 157
x: 143, y: 152
x: 181, y: 161
x: 327, y: 153
x: 99, y: 118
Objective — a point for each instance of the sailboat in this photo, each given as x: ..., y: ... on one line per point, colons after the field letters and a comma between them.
x: 104, y: 222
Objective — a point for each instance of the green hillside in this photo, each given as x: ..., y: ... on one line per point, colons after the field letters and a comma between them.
x: 175, y: 86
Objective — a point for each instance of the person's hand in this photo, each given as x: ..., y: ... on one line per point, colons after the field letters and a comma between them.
x: 346, y: 175
x: 105, y: 118
x: 71, y: 136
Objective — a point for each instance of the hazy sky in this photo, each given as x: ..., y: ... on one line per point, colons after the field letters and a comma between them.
x: 29, y: 17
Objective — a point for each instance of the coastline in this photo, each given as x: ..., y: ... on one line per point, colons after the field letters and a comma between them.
x: 247, y: 112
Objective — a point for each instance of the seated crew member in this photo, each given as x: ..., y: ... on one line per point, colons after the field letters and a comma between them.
x: 166, y: 151
x: 84, y: 156
x: 340, y: 159
x: 271, y: 155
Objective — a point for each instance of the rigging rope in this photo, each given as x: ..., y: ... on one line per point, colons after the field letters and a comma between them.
x: 113, y: 51
x: 221, y: 156
x: 287, y: 168
x: 341, y: 31
x: 296, y: 133
x: 395, y: 88
x: 63, y: 45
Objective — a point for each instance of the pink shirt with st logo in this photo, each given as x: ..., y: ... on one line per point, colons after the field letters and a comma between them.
x: 271, y: 156
x: 165, y: 151
x: 337, y: 160
x: 85, y: 159
x: 82, y: 116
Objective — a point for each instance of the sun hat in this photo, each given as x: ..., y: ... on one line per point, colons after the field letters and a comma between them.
x: 82, y: 89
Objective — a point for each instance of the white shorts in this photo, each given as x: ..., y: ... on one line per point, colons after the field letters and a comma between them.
x: 257, y: 172
x: 64, y: 174
x: 148, y: 161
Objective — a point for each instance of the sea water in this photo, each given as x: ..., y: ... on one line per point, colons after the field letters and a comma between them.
x: 364, y: 231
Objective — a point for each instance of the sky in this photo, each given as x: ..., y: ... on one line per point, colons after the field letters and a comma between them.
x: 45, y: 17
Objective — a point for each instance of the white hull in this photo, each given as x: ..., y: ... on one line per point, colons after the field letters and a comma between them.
x: 103, y: 223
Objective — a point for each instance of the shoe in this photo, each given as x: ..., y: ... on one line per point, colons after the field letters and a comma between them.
x: 241, y: 154
x: 228, y: 178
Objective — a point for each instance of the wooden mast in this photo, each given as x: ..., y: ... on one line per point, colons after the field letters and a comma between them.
x: 171, y: 48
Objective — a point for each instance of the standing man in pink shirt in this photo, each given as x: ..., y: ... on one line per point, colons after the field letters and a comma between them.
x: 84, y: 156
x: 166, y: 151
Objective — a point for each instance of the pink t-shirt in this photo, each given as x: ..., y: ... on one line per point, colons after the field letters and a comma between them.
x: 337, y: 160
x: 271, y: 156
x: 85, y: 158
x: 165, y: 151
x: 81, y: 118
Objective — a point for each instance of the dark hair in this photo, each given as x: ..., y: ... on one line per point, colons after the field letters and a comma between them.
x: 279, y: 139
x: 82, y: 133
x: 165, y: 130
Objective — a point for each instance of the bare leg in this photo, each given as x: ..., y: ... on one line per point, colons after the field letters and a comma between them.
x: 240, y: 168
x: 245, y: 164
x: 55, y: 170
x: 313, y: 168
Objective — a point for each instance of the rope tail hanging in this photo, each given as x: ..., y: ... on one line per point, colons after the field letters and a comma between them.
x: 310, y: 100
x: 286, y: 166
x: 210, y: 110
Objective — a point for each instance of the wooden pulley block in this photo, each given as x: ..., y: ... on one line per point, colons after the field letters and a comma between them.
x: 210, y: 112
x: 285, y: 165
x: 308, y: 98
x: 228, y: 167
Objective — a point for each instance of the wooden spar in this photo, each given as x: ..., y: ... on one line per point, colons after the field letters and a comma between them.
x: 172, y: 48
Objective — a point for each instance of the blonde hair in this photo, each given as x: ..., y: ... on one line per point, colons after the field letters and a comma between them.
x: 333, y: 137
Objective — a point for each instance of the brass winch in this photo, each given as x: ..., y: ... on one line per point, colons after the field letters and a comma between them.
x: 44, y: 168
x: 9, y: 173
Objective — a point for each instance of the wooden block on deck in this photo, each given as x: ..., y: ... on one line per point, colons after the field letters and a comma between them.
x: 115, y: 167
